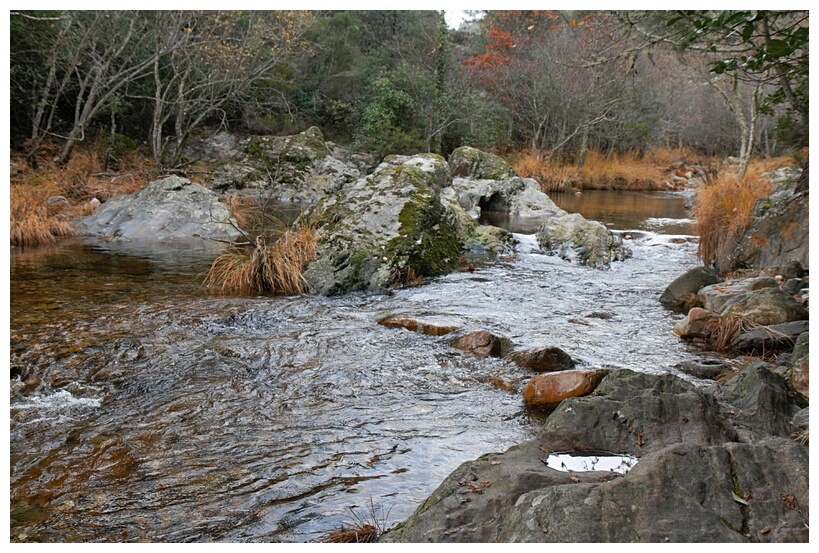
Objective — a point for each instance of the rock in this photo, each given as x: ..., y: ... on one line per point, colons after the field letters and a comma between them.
x: 693, y: 481
x: 715, y: 296
x: 800, y: 365
x: 684, y: 482
x: 416, y: 325
x: 172, y: 207
x: 548, y: 390
x: 793, y: 269
x: 759, y: 401
x: 574, y: 238
x: 685, y: 287
x: 94, y: 202
x: 219, y: 146
x: 705, y: 370
x: 768, y: 306
x: 385, y: 229
x: 476, y: 164
x: 778, y: 233
x: 486, y: 239
x: 794, y: 286
x: 698, y: 324
x: 801, y: 420
x: 513, y: 195
x: 542, y: 359
x: 768, y: 339
x: 483, y: 344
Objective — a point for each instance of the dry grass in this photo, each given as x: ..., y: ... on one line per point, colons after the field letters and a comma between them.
x: 274, y: 269
x: 34, y: 222
x: 726, y: 329
x: 625, y: 171
x: 363, y: 528
x: 723, y: 210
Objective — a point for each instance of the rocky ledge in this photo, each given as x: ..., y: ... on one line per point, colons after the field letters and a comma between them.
x: 690, y: 464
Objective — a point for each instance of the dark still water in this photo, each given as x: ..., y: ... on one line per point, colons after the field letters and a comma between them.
x: 143, y: 408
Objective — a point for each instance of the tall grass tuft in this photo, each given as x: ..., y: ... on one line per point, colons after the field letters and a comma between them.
x: 32, y: 221
x: 723, y: 211
x: 364, y: 527
x: 274, y: 269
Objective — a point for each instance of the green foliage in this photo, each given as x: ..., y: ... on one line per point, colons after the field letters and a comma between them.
x: 388, y: 122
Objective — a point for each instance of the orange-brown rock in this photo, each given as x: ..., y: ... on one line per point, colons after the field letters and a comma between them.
x: 417, y: 326
x: 548, y: 390
x: 482, y: 344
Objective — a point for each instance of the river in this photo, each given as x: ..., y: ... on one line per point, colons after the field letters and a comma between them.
x: 144, y: 408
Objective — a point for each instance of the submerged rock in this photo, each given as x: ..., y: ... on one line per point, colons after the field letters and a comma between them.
x: 482, y: 344
x: 417, y: 325
x: 172, y: 207
x: 696, y: 479
x: 548, y: 359
x: 384, y: 229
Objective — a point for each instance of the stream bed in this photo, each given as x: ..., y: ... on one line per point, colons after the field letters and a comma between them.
x: 143, y: 408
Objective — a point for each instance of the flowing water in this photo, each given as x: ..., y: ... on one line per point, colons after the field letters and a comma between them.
x: 145, y: 409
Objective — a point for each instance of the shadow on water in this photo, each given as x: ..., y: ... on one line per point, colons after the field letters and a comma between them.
x: 143, y: 408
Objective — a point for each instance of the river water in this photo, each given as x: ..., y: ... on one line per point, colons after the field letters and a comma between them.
x: 145, y: 409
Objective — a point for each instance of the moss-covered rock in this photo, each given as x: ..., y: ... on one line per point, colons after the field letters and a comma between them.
x: 385, y: 229
x: 473, y: 163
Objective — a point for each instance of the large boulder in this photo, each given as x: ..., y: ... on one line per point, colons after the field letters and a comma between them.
x: 172, y: 207
x: 574, y: 238
x: 385, y: 229
x: 696, y: 478
x: 715, y: 296
x: 476, y: 164
x: 768, y: 306
x: 683, y: 290
x: 514, y: 196
x: 763, y: 340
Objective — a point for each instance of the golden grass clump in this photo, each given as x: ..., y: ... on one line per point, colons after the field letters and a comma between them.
x: 618, y: 171
x: 723, y: 211
x: 364, y: 527
x: 267, y: 269
x: 33, y: 222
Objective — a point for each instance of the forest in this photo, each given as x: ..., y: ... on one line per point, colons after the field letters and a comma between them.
x: 558, y: 83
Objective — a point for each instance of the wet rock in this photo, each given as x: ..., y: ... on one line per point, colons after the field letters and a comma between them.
x: 694, y: 480
x: 416, y: 325
x: 759, y: 402
x: 542, y: 359
x: 548, y: 390
x: 794, y: 286
x: 684, y: 288
x: 768, y: 339
x: 385, y: 229
x: 483, y: 344
x: 715, y: 296
x: 768, y: 306
x: 574, y: 238
x: 698, y: 324
x: 705, y: 370
x: 172, y: 207
x: 471, y: 162
x: 800, y: 365
x: 486, y: 239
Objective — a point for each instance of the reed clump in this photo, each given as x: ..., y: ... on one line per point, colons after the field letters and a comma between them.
x: 364, y: 527
x: 616, y: 171
x: 723, y: 210
x: 276, y: 269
